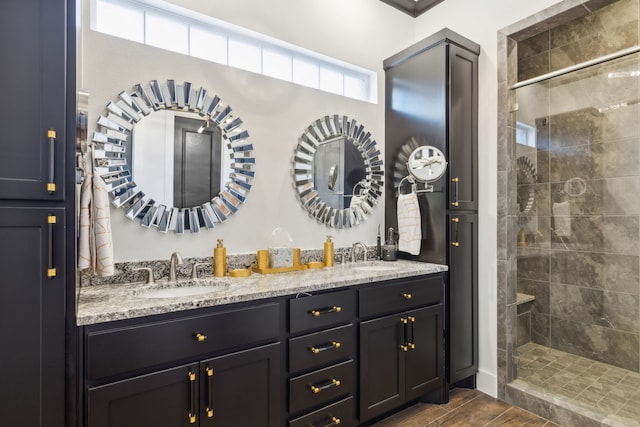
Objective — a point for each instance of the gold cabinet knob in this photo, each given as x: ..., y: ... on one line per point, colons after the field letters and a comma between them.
x: 200, y: 337
x: 406, y: 295
x: 455, y: 244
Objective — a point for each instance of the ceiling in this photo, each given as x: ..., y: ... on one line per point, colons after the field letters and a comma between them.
x: 412, y: 7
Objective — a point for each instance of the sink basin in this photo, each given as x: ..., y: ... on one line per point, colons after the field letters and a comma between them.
x: 374, y: 268
x: 177, y: 292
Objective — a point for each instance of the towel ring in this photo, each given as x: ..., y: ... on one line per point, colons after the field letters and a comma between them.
x: 414, y: 186
x: 362, y: 185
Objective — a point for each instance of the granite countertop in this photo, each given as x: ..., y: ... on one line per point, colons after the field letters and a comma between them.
x: 105, y: 303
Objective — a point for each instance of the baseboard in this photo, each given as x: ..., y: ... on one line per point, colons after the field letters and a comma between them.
x: 487, y: 383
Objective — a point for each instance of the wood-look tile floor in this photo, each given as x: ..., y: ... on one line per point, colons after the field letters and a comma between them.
x: 465, y: 408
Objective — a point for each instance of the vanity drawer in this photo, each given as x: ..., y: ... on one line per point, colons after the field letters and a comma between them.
x: 320, y: 387
x: 340, y: 413
x: 320, y: 311
x: 321, y: 348
x: 395, y: 297
x: 117, y: 351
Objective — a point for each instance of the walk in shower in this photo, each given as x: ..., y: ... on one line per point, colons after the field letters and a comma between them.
x: 577, y: 210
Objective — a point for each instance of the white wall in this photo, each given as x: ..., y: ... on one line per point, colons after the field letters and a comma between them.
x: 362, y: 32
x: 480, y: 21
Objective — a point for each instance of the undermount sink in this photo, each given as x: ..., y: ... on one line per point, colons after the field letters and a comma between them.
x: 184, y: 291
x: 374, y: 268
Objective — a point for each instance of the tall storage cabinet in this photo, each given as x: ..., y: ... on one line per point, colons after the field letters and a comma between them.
x: 432, y: 99
x: 36, y: 210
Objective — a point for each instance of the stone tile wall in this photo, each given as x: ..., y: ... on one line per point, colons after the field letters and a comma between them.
x: 606, y: 30
x: 586, y: 280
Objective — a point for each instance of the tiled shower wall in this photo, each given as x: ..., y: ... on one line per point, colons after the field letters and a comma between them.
x: 584, y: 275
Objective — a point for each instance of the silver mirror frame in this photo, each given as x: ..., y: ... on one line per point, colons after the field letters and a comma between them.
x: 325, y: 129
x: 114, y: 130
x: 526, y: 175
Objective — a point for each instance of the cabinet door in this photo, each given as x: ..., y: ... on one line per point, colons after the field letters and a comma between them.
x: 242, y: 389
x: 166, y: 398
x: 424, y: 359
x: 32, y: 317
x: 382, y: 381
x: 32, y: 83
x: 463, y: 297
x: 463, y: 129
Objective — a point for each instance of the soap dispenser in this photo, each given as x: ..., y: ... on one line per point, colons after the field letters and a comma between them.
x: 219, y: 260
x: 328, y: 252
x: 390, y: 248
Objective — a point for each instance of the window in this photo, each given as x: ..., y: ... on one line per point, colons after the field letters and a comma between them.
x: 167, y: 26
x: 120, y: 20
x: 162, y: 31
x: 306, y: 73
x: 277, y: 64
x: 525, y: 134
x: 207, y: 44
x: 245, y: 55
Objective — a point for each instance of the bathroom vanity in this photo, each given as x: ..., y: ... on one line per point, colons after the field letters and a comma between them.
x: 339, y: 345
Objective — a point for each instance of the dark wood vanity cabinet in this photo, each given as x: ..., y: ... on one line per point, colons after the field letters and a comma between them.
x: 463, y: 297
x: 37, y: 77
x: 230, y: 388
x: 234, y: 389
x: 33, y: 48
x: 401, y: 354
x: 322, y: 365
x: 159, y: 399
x: 338, y: 357
x: 32, y: 317
x: 442, y: 72
x: 462, y: 143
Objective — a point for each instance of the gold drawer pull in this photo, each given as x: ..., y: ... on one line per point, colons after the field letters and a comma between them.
x: 455, y: 244
x: 192, y: 398
x: 209, y: 407
x: 333, y: 422
x: 51, y: 185
x: 456, y: 197
x: 333, y: 344
x: 318, y: 388
x: 406, y: 295
x: 200, y: 337
x: 333, y: 309
x: 406, y: 343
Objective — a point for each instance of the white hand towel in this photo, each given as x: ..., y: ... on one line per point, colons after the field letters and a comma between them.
x: 355, y: 201
x: 562, y: 218
x: 409, y: 223
x: 84, y: 230
x: 102, y: 228
x: 95, y: 245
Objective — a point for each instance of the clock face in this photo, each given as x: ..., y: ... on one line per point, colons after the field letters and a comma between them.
x: 427, y: 164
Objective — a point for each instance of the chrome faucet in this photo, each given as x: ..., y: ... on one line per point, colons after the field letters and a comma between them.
x: 176, y: 258
x: 353, y: 251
